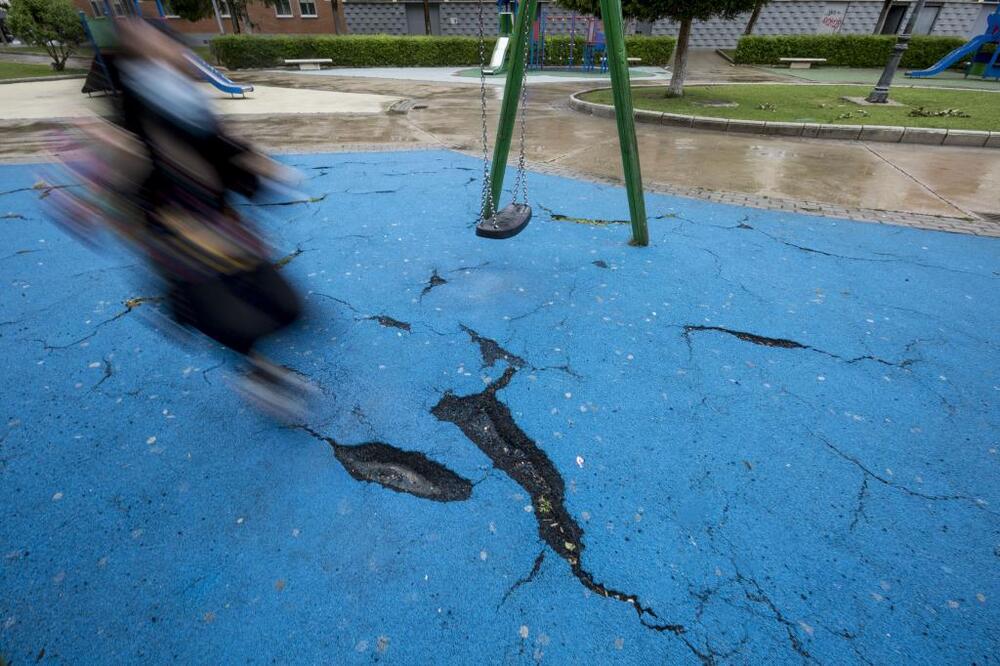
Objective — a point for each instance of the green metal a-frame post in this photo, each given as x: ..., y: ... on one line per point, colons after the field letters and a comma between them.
x: 621, y: 86
x: 511, y: 96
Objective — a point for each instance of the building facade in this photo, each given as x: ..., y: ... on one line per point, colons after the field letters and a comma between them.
x: 959, y: 18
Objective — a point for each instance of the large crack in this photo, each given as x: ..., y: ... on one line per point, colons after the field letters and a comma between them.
x: 389, y: 322
x: 491, y: 351
x: 398, y: 470
x: 785, y: 343
x: 488, y: 423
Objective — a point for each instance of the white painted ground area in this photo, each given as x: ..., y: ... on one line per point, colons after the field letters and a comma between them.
x: 50, y: 100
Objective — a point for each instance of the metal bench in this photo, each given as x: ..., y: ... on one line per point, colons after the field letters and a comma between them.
x: 802, y: 63
x: 309, y: 63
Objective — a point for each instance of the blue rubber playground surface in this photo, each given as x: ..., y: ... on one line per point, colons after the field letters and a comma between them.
x: 767, y: 438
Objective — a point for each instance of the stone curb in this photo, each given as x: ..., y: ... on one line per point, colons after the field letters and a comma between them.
x: 33, y: 79
x: 883, y: 133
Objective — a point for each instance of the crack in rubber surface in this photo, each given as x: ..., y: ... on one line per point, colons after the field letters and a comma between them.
x: 433, y: 281
x: 389, y: 322
x: 535, y: 568
x: 488, y: 423
x: 784, y: 343
x: 287, y: 259
x: 491, y: 351
x: 593, y: 221
x: 399, y: 470
x: 748, y: 337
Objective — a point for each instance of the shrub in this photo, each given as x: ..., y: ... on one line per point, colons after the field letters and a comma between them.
x: 843, y: 50
x: 52, y: 24
x: 248, y: 51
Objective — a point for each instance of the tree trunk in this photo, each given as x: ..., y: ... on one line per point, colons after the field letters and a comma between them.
x: 754, y: 15
x: 339, y: 17
x: 427, y: 17
x: 886, y: 6
x: 676, y: 88
x: 235, y: 19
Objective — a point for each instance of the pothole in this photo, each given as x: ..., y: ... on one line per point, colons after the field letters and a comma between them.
x: 402, y: 471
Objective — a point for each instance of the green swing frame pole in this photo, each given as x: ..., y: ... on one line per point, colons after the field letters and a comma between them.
x: 511, y: 97
x: 621, y: 87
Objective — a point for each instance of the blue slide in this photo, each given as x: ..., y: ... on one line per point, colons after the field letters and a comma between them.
x: 217, y: 78
x: 970, y: 48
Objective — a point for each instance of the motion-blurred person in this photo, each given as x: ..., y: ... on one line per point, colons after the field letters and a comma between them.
x: 161, y: 177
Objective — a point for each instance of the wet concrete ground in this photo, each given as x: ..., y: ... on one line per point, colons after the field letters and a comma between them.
x: 934, y: 180
x: 769, y: 171
x: 766, y: 438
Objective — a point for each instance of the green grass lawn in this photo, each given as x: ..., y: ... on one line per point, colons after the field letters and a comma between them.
x: 821, y: 104
x: 85, y: 51
x: 17, y: 70
x: 26, y: 50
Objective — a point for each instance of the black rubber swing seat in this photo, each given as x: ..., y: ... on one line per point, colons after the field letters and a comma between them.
x: 505, y: 223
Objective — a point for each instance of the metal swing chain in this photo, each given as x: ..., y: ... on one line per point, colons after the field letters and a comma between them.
x: 521, y: 181
x: 486, y: 198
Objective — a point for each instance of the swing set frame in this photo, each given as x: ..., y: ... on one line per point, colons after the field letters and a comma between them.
x: 621, y: 86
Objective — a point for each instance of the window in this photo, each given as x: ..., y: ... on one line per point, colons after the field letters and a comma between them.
x: 118, y: 7
x: 98, y: 7
x: 224, y: 9
x: 283, y: 8
x: 307, y: 8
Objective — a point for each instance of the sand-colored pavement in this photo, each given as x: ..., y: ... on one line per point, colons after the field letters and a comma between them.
x: 48, y: 100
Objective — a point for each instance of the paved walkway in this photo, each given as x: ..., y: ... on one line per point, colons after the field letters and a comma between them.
x: 47, y: 100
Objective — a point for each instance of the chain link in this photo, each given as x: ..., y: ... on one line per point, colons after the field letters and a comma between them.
x: 486, y: 202
x: 521, y: 181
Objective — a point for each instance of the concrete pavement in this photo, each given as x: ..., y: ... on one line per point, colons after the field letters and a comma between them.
x: 941, y: 187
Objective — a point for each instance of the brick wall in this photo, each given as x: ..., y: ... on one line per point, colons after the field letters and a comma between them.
x: 957, y: 17
x: 265, y: 19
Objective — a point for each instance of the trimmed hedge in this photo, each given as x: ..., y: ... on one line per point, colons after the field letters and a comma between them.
x: 843, y: 50
x: 250, y: 51
x: 655, y: 51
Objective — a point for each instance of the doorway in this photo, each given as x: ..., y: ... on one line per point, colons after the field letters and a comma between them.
x: 415, y: 18
x: 894, y: 20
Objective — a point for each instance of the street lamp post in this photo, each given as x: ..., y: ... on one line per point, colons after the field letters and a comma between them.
x: 880, y: 93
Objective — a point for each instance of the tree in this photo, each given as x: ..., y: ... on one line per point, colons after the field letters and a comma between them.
x: 195, y: 10
x: 52, y: 24
x: 754, y: 15
x: 685, y: 12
